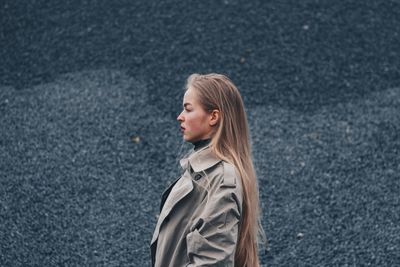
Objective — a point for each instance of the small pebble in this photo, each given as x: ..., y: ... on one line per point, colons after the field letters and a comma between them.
x: 300, y: 236
x: 135, y: 139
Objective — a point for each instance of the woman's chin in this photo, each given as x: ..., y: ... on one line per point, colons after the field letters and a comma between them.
x: 187, y: 139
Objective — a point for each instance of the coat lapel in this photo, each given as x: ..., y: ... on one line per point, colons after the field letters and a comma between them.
x: 198, y: 161
x: 185, y: 188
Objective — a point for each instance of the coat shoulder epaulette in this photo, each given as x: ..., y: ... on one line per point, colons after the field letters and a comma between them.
x: 230, y: 174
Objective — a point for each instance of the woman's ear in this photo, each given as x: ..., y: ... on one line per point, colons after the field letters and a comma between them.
x: 214, y: 119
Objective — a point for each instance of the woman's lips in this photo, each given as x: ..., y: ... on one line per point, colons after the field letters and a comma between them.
x: 182, y: 129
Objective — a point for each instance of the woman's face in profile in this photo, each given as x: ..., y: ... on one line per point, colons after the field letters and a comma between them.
x: 194, y: 120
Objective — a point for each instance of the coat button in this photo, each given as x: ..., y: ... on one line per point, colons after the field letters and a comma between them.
x: 197, y: 177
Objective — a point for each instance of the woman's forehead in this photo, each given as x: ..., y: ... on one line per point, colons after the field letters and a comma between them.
x: 189, y: 96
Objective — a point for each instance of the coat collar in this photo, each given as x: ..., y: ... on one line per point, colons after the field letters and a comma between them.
x: 200, y: 160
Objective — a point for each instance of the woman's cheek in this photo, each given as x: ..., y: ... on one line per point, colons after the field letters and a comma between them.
x: 193, y: 124
x: 194, y: 128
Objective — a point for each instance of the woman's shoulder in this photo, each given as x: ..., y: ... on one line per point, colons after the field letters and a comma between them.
x: 225, y: 183
x: 230, y: 177
x: 225, y: 175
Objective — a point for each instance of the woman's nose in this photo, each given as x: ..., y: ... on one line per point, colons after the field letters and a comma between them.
x: 180, y: 117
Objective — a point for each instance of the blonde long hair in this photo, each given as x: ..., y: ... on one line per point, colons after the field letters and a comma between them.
x: 231, y: 142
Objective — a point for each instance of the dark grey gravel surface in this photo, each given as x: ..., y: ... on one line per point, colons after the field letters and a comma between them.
x: 90, y: 91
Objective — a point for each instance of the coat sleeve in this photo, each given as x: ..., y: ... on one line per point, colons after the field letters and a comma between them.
x: 213, y: 237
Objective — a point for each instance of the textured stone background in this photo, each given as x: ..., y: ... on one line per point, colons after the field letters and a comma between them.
x: 90, y: 91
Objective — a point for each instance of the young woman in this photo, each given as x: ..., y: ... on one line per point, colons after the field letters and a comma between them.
x: 210, y: 215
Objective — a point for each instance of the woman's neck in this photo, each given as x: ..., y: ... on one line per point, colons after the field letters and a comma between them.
x: 201, y: 143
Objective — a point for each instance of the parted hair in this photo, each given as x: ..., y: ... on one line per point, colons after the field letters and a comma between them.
x: 230, y: 141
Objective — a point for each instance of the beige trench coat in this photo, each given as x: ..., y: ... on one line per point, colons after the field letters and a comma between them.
x: 199, y: 224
